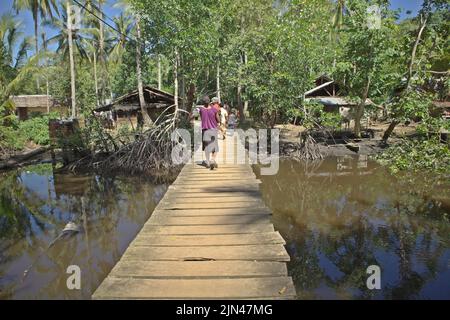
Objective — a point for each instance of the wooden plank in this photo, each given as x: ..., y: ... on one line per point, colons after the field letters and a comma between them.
x: 178, y: 195
x: 212, y: 205
x: 162, y: 219
x: 220, y: 229
x: 214, y: 199
x: 237, y: 288
x: 212, y: 178
x: 208, y: 240
x: 217, y: 172
x: 199, y: 269
x: 272, y: 252
x: 214, y: 212
x: 199, y: 189
x: 218, y: 183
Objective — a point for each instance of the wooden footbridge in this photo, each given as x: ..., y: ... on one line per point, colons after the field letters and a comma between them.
x: 210, y: 237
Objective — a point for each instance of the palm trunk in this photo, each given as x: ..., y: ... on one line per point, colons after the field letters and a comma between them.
x: 142, y: 103
x: 72, y: 65
x: 44, y: 45
x: 36, y: 35
x: 159, y: 72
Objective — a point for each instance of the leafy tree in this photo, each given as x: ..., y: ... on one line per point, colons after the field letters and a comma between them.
x: 416, y: 70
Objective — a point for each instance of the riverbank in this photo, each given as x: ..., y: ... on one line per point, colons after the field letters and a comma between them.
x: 28, y: 156
x: 341, y: 142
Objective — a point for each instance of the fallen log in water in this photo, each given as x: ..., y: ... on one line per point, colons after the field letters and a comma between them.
x: 16, y: 160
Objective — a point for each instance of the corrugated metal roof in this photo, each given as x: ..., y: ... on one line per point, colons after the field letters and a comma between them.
x: 335, y: 101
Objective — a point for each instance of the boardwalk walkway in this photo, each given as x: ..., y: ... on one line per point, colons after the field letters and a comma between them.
x: 210, y: 237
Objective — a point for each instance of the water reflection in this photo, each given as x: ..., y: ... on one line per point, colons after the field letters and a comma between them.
x: 343, y: 214
x: 36, y: 205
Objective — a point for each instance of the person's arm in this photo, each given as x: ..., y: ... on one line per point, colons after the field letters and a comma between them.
x: 217, y: 117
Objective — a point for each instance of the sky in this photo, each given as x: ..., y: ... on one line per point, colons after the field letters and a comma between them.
x: 6, y: 6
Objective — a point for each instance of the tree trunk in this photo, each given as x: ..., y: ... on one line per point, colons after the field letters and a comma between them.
x: 360, y: 109
x: 159, y: 72
x: 239, y: 94
x: 218, y: 81
x: 102, y: 54
x: 239, y: 103
x: 72, y: 65
x: 175, y: 77
x: 142, y: 103
x: 389, y: 130
x: 239, y: 86
x: 394, y: 123
x: 190, y: 97
x: 245, y: 102
x: 414, y: 50
x: 95, y: 78
x: 183, y: 83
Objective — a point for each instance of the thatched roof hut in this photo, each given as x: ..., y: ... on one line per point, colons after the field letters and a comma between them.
x: 32, y: 103
x: 156, y: 100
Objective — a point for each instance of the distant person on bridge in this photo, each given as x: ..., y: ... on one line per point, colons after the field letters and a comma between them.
x: 224, y: 120
x: 209, y: 116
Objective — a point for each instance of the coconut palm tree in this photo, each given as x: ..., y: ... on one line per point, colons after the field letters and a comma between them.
x: 61, y: 38
x: 38, y: 8
x: 96, y: 6
x: 124, y: 24
x: 124, y: 4
x: 338, y: 14
x: 10, y: 34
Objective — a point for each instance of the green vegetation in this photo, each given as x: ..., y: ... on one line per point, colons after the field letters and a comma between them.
x: 417, y: 155
x: 259, y: 56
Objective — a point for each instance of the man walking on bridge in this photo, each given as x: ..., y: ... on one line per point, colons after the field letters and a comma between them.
x: 210, y: 121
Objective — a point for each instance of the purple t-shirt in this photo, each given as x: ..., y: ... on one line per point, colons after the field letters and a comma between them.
x: 208, y: 117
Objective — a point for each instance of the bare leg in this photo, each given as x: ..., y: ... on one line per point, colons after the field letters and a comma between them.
x: 207, y: 155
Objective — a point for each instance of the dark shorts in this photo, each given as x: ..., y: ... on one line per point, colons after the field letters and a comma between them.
x: 210, y: 138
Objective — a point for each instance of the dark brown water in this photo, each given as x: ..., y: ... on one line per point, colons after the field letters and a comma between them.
x: 344, y: 214
x: 36, y: 205
x: 338, y: 217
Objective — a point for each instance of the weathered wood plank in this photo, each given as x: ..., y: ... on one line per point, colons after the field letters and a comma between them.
x: 162, y: 219
x: 209, y: 240
x: 197, y: 189
x: 220, y: 229
x: 214, y: 199
x: 199, y: 269
x: 210, y: 178
x: 214, y: 212
x: 240, y: 288
x: 206, y: 195
x: 268, y: 252
x: 218, y: 183
x: 212, y: 205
